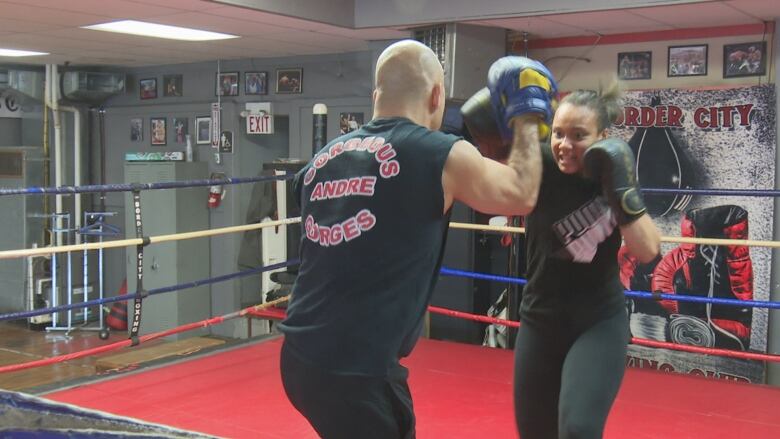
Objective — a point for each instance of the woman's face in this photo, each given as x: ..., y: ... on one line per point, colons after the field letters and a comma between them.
x: 574, y: 129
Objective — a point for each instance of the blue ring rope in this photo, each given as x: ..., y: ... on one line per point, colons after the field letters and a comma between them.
x: 127, y: 187
x: 638, y: 294
x: 444, y: 271
x: 123, y: 297
x: 241, y: 180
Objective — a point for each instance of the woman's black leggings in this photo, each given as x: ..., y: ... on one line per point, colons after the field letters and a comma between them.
x: 566, y: 377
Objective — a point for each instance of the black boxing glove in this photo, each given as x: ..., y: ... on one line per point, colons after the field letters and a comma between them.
x: 482, y: 125
x: 611, y: 162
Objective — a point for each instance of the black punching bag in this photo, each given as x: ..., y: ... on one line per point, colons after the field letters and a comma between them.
x: 662, y: 164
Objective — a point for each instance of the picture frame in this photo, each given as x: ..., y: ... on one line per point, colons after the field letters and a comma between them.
x: 173, y: 85
x: 203, y: 130
x: 148, y: 88
x: 349, y: 122
x: 289, y: 81
x: 227, y: 84
x: 136, y: 129
x: 256, y: 83
x: 159, y: 132
x: 635, y: 65
x: 688, y: 60
x: 180, y: 129
x: 744, y: 59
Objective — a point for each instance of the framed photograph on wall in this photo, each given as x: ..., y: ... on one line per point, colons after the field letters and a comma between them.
x: 635, y: 65
x: 687, y: 60
x: 744, y: 59
x: 349, y: 122
x: 172, y: 85
x: 289, y: 81
x: 136, y: 130
x: 148, y: 88
x: 227, y: 84
x: 180, y: 129
x: 256, y: 83
x: 159, y: 132
x: 203, y: 130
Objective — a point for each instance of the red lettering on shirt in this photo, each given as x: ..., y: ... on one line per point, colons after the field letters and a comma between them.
x: 363, y: 186
x: 341, y: 188
x: 352, y: 144
x: 336, y: 234
x: 354, y: 184
x: 321, y: 160
x: 345, y: 231
x: 329, y: 189
x: 324, y: 236
x: 309, y: 176
x: 351, y: 230
x: 385, y: 153
x: 367, y: 186
x: 336, y: 149
x: 316, y: 194
x: 378, y: 142
x: 366, y: 220
x: 312, y: 230
x: 366, y: 143
x: 389, y: 169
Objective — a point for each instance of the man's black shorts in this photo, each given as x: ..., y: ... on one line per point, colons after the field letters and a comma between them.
x: 349, y: 406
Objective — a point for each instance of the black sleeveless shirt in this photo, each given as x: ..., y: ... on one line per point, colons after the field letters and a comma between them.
x: 373, y: 231
x: 572, y: 242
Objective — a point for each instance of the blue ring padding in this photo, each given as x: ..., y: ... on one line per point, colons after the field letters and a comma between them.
x: 129, y: 187
x: 638, y: 294
x: 721, y: 192
x: 94, y: 302
x: 70, y: 414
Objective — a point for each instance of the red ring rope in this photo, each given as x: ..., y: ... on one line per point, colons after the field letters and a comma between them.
x: 265, y: 311
x: 143, y: 338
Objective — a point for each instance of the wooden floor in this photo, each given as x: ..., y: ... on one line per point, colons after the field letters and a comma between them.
x: 19, y: 344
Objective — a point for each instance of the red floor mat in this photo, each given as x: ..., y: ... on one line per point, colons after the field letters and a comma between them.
x: 460, y: 391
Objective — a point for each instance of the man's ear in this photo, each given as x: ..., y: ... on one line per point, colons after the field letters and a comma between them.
x: 436, y: 98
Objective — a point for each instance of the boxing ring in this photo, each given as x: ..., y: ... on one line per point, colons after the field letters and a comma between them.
x: 459, y: 390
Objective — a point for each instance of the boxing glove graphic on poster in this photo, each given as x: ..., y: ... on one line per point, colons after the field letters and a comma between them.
x: 719, y: 272
x: 661, y: 163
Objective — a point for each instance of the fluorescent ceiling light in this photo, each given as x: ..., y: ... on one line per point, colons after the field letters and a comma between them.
x: 159, y: 31
x: 14, y: 52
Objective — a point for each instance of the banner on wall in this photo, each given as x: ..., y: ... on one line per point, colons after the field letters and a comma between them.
x: 703, y: 139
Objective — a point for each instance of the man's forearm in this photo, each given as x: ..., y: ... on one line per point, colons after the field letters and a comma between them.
x: 526, y: 157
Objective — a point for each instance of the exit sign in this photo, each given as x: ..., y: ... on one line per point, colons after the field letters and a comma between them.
x: 259, y: 124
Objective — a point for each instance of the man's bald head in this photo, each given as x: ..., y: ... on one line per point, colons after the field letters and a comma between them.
x: 406, y: 72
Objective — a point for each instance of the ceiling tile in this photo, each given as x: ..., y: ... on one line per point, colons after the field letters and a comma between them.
x: 762, y: 10
x: 56, y: 44
x: 120, y: 40
x: 25, y: 26
x: 219, y: 24
x: 604, y: 21
x: 107, y: 8
x: 265, y: 17
x: 694, y: 15
x: 34, y: 14
x: 187, y: 5
x: 536, y: 27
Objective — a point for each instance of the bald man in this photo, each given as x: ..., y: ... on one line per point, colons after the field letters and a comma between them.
x: 375, y: 206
